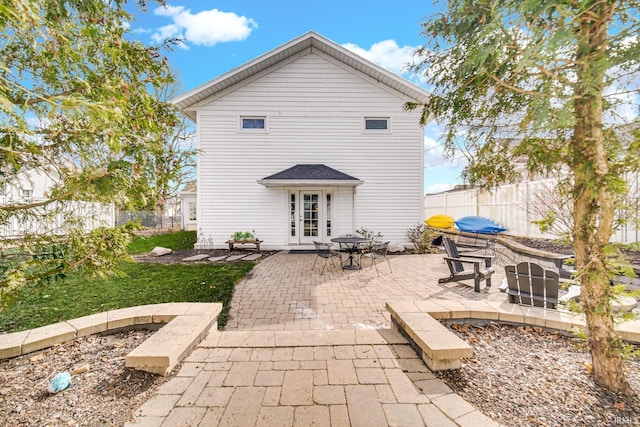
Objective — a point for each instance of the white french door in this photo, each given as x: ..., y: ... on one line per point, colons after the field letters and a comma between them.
x: 309, y: 216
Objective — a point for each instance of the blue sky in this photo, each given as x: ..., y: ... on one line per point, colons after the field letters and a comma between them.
x: 223, y: 34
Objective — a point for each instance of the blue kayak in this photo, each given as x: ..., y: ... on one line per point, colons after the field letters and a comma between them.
x: 478, y: 224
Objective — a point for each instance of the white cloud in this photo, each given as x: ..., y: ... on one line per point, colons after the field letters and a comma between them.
x: 204, y: 28
x: 141, y: 30
x: 433, y: 152
x: 387, y: 54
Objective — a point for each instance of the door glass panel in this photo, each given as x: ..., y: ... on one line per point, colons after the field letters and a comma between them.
x: 328, y: 214
x: 292, y: 214
x: 311, y: 217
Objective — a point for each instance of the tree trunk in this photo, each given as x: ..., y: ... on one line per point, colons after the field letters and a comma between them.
x: 594, y: 208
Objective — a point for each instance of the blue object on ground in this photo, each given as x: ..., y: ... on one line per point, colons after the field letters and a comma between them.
x: 60, y: 382
x: 478, y: 224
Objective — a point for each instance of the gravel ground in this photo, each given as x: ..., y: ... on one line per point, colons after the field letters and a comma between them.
x: 106, y: 394
x: 524, y: 376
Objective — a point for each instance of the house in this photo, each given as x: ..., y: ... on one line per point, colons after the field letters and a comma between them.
x: 304, y: 143
x: 30, y: 184
x: 33, y: 186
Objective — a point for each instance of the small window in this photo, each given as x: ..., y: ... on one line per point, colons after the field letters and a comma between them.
x: 249, y: 123
x: 377, y: 123
x: 27, y: 193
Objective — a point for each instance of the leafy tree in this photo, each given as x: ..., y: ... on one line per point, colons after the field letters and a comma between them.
x: 547, y: 82
x: 76, y: 100
x: 175, y: 162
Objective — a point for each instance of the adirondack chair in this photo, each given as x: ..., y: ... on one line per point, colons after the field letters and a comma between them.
x: 566, y: 271
x: 530, y: 284
x: 478, y: 266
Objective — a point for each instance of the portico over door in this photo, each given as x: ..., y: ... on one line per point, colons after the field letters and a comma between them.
x: 312, y: 201
x: 310, y: 216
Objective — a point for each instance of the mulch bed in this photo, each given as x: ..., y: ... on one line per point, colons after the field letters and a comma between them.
x: 106, y: 394
x: 525, y: 376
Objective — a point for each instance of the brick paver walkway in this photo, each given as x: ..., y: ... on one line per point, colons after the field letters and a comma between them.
x: 284, y: 293
x: 302, y: 349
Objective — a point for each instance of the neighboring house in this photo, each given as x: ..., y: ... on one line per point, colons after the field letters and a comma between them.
x: 188, y: 206
x: 304, y: 143
x: 28, y: 185
x: 33, y: 186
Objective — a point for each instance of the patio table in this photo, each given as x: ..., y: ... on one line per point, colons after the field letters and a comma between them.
x: 352, y: 245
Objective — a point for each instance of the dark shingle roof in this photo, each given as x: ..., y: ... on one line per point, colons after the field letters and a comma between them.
x: 312, y: 172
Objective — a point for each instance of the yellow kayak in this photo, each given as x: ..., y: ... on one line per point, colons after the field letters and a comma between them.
x: 440, y: 221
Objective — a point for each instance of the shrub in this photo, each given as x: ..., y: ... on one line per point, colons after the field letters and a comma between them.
x: 375, y: 237
x: 422, y: 237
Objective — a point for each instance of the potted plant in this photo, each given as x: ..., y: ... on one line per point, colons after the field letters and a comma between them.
x: 242, y: 237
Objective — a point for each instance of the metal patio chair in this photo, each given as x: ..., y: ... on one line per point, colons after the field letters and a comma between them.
x: 326, y: 251
x: 378, y: 251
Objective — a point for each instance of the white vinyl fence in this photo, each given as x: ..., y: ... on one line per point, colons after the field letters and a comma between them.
x: 515, y: 206
x: 55, y: 218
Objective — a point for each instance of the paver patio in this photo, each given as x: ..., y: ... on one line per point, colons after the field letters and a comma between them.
x: 283, y: 293
x: 302, y: 349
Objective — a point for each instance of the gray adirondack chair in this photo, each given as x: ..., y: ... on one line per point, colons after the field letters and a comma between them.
x: 530, y: 284
x: 466, y: 267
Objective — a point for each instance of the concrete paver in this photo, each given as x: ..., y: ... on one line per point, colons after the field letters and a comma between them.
x: 297, y: 388
x: 244, y: 407
x: 364, y: 407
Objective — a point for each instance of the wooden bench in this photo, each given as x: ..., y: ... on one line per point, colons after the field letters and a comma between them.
x: 232, y: 244
x: 438, y: 347
x: 530, y: 284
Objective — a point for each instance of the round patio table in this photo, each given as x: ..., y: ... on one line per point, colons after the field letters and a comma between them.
x: 352, y: 245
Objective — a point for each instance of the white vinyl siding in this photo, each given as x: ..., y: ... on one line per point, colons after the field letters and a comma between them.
x: 314, y: 107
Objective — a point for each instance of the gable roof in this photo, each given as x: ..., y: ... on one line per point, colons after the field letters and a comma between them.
x: 310, y: 40
x: 301, y: 175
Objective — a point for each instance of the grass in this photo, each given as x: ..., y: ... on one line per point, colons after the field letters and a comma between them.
x: 177, y: 241
x: 145, y: 283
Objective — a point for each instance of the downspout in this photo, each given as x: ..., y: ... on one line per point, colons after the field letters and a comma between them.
x: 353, y: 209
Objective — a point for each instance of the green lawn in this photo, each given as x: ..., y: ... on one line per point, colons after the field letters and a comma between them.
x: 146, y: 283
x: 177, y: 241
